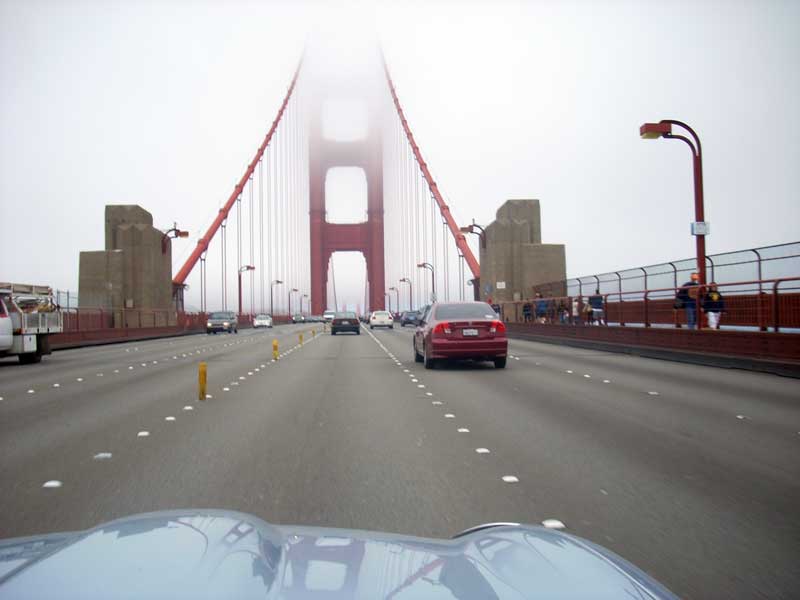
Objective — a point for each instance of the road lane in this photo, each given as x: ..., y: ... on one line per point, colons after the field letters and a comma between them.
x: 702, y: 499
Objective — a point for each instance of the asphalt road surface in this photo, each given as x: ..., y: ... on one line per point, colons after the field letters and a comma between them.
x: 690, y: 472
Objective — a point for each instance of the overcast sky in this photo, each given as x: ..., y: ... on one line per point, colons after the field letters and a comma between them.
x: 163, y: 104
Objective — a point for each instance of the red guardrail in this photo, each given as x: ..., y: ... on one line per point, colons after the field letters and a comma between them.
x: 766, y: 304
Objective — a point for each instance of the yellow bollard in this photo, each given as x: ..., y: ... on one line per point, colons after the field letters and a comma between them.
x: 202, y: 379
x: 313, y: 333
x: 301, y: 339
x: 274, y: 349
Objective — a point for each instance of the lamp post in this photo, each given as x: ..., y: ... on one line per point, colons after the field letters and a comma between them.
x: 397, y: 296
x: 481, y: 233
x: 172, y: 233
x: 410, y: 295
x: 271, y: 288
x: 291, y: 291
x: 242, y: 270
x: 699, y: 228
x: 388, y: 296
x: 301, y: 302
x: 429, y: 266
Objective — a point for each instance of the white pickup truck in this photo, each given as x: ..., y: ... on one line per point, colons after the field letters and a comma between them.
x: 27, y: 317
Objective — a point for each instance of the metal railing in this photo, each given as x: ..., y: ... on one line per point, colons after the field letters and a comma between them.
x: 751, y: 264
x: 762, y: 304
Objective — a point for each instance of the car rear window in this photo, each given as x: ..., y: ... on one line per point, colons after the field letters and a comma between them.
x: 472, y: 310
x: 381, y: 313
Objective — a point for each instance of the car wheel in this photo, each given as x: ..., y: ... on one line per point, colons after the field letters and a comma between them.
x: 30, y: 358
x: 371, y: 327
x: 500, y: 363
x: 358, y: 332
x: 429, y: 362
x: 417, y: 355
x: 333, y: 332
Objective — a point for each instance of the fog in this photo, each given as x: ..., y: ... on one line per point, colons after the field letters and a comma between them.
x: 163, y: 105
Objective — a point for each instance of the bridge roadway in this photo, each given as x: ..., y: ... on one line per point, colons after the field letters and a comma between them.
x: 691, y: 472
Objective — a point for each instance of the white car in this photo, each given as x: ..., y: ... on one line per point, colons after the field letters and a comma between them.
x: 328, y: 315
x: 381, y: 318
x: 262, y: 321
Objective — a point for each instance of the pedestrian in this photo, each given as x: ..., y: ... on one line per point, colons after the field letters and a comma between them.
x: 596, y: 303
x: 563, y: 313
x: 713, y: 305
x: 527, y: 311
x: 576, y: 312
x: 686, y: 298
x: 541, y: 309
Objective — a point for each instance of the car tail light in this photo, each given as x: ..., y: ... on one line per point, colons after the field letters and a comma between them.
x: 442, y: 328
x: 497, y: 327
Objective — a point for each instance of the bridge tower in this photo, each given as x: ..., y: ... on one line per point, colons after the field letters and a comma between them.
x: 324, y: 154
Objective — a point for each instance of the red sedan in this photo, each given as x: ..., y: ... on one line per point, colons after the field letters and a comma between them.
x: 469, y: 330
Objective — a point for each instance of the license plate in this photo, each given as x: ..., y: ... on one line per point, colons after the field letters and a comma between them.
x: 469, y: 332
x: 345, y: 322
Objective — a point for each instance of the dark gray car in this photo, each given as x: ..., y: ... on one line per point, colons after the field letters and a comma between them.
x: 221, y: 554
x: 222, y: 321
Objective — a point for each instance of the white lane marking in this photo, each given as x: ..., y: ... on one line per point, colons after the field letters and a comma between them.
x: 55, y: 385
x: 169, y: 418
x: 414, y: 380
x: 605, y: 493
x: 449, y: 416
x: 653, y: 393
x: 463, y: 430
x: 568, y: 371
x: 437, y: 402
x: 482, y: 450
x: 242, y: 377
x: 53, y: 483
x: 420, y: 385
x: 510, y: 479
x: 538, y: 364
x: 429, y: 393
x: 31, y: 392
x: 116, y: 370
x: 553, y: 524
x: 516, y: 358
x: 587, y: 376
x: 102, y: 456
x: 405, y: 370
x: 143, y: 434
x: 188, y: 407
x: 606, y: 381
x: 99, y: 374
x: 155, y: 362
x: 130, y: 368
x: 234, y: 383
x: 249, y: 372
x: 226, y: 389
x: 174, y: 358
x: 263, y: 366
x: 144, y: 364
x: 209, y: 396
x: 127, y: 350
x: 742, y: 417
x: 79, y: 379
x: 1, y: 398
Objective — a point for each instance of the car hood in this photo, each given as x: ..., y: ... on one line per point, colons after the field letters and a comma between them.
x: 224, y: 554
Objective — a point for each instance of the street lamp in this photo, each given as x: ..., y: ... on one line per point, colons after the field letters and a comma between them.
x: 272, y: 287
x: 410, y: 295
x: 291, y: 291
x: 301, y: 302
x: 429, y: 266
x: 699, y: 228
x: 172, y: 233
x: 397, y: 296
x: 242, y: 270
x: 388, y: 296
x: 481, y: 232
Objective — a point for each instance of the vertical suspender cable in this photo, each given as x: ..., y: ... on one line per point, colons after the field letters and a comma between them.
x: 224, y: 228
x: 261, y: 234
x: 252, y: 246
x: 433, y: 233
x: 446, y: 264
